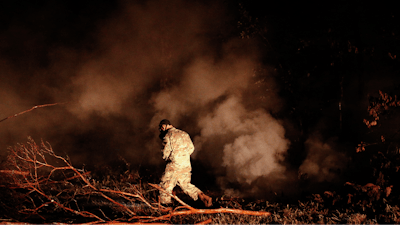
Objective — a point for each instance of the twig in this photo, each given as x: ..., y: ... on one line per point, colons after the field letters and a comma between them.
x: 35, y: 107
x: 205, y: 221
x: 174, y: 196
x: 16, y: 172
x: 104, y: 214
x: 117, y: 203
x: 124, y: 223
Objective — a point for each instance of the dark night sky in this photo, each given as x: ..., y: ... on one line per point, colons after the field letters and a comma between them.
x: 124, y: 65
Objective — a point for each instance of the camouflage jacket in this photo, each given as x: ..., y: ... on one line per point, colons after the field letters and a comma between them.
x: 177, y: 147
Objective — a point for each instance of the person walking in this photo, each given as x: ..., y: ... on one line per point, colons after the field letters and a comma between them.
x: 177, y: 148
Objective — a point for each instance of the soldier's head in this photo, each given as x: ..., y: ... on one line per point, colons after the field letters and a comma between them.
x: 164, y: 125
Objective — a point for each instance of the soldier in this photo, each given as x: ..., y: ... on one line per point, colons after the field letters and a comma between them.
x: 177, y: 148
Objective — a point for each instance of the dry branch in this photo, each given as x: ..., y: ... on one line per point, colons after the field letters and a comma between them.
x: 173, y: 196
x: 210, y: 211
x: 32, y: 172
x: 205, y: 222
x: 192, y: 210
x: 35, y: 107
x: 14, y: 172
x: 59, y: 184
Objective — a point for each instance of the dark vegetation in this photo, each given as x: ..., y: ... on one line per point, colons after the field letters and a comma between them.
x: 327, y: 64
x: 39, y: 186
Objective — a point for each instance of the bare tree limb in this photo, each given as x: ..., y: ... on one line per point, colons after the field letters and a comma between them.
x: 35, y: 107
x: 54, y: 186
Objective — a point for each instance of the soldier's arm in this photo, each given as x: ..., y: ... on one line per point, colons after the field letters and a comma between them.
x: 167, y: 147
x: 191, y: 149
x: 190, y: 144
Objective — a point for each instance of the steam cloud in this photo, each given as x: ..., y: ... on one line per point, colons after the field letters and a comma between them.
x: 257, y: 141
x: 145, y: 62
x: 323, y: 162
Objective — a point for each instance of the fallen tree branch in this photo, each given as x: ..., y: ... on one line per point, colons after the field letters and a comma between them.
x: 36, y: 174
x: 46, y: 187
x: 210, y: 211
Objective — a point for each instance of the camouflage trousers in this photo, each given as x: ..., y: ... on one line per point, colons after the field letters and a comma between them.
x: 177, y: 176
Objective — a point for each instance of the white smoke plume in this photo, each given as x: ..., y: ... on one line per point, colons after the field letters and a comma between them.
x: 203, y: 82
x: 146, y: 61
x: 239, y: 144
x: 323, y: 163
x: 258, y: 145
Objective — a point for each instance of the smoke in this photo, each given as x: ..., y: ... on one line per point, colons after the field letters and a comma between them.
x: 237, y: 141
x: 125, y: 67
x: 324, y: 163
x: 257, y: 145
x: 203, y: 82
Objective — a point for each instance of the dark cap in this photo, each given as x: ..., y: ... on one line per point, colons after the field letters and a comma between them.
x: 164, y: 121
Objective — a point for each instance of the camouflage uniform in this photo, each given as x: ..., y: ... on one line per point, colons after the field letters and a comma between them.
x: 177, y: 150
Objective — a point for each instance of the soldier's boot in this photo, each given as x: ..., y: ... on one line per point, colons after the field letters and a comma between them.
x: 207, y: 200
